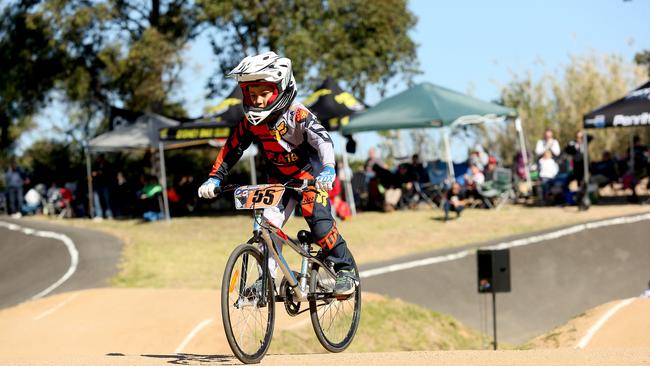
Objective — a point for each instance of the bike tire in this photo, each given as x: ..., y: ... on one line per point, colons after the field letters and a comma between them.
x: 230, y: 297
x: 348, y: 331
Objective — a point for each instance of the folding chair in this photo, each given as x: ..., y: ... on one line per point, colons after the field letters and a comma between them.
x: 499, y: 191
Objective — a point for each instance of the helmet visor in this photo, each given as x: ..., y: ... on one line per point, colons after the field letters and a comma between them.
x: 259, y: 94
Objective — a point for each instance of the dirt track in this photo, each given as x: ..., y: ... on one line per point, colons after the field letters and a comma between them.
x: 146, y: 327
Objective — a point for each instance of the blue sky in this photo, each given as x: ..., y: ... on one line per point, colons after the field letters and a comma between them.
x: 472, y: 46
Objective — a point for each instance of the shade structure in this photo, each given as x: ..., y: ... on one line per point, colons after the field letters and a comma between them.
x: 143, y: 134
x: 332, y: 105
x: 421, y: 106
x: 216, y: 124
x: 630, y: 111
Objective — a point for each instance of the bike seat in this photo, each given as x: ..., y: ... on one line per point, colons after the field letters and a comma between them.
x: 305, y: 237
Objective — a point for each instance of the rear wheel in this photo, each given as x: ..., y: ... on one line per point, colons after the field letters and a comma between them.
x: 335, y: 321
x: 247, y: 315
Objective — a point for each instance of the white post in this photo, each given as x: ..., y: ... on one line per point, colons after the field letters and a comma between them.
x: 524, y: 153
x: 163, y: 180
x: 450, y: 162
x: 251, y: 161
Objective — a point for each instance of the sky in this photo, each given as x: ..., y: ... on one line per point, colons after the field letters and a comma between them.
x: 471, y: 46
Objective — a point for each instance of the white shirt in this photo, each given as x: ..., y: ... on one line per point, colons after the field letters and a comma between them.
x: 548, y: 168
x: 543, y: 145
x: 33, y: 198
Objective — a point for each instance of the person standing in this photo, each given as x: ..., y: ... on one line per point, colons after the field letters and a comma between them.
x: 14, y: 181
x: 547, y: 143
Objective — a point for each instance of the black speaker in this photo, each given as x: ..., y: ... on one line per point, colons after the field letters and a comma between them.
x: 493, y: 270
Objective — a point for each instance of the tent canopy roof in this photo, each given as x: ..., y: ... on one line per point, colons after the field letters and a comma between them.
x: 630, y: 111
x: 424, y: 105
x: 143, y: 134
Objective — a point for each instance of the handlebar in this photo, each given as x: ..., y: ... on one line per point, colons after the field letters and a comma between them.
x: 300, y: 185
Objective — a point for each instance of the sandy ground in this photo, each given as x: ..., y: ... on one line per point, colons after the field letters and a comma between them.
x: 146, y: 327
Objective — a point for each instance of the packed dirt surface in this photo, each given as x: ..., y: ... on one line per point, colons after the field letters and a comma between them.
x: 162, y: 327
x: 628, y: 327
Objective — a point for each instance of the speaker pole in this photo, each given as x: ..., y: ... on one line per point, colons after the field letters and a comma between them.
x: 494, y: 317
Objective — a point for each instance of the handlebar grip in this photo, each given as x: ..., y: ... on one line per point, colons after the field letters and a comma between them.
x: 217, y: 190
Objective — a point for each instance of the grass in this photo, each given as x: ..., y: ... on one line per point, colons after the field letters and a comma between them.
x: 389, y: 325
x: 191, y: 252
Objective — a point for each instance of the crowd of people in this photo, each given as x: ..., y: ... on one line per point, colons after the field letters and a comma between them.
x: 557, y: 175
x: 557, y: 168
x: 114, y: 196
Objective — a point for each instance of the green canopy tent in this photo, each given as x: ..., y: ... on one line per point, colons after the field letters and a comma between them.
x: 427, y: 105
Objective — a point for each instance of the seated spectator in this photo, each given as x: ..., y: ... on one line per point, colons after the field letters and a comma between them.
x: 605, y: 171
x: 490, y: 169
x: 34, y: 200
x: 419, y: 170
x: 150, y: 199
x: 548, y: 170
x: 473, y: 179
x: 455, y: 201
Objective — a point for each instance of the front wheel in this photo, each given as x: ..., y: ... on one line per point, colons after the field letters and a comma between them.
x: 247, y: 315
x: 335, y: 321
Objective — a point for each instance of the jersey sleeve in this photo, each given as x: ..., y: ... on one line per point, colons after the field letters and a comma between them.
x: 232, y: 151
x: 318, y: 137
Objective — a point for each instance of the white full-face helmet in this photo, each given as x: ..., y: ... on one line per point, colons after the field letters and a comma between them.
x: 266, y: 69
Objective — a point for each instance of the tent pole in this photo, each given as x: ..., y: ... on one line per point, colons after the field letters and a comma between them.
x: 450, y: 163
x: 251, y: 161
x: 347, y: 182
x: 524, y: 153
x: 89, y: 178
x: 163, y: 180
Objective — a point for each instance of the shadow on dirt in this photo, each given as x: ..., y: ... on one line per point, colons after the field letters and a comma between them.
x: 192, y: 359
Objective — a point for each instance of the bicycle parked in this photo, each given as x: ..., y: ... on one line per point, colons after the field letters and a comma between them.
x: 248, y: 304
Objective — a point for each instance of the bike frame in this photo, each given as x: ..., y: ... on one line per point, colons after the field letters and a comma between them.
x: 270, y: 237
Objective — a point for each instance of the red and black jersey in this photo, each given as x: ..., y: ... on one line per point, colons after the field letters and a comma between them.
x: 290, y: 145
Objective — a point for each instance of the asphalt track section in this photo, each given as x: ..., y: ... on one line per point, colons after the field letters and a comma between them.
x: 30, y: 264
x: 551, y: 281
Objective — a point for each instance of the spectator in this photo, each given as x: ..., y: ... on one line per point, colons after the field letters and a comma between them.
x: 575, y: 149
x: 473, y: 179
x: 548, y: 170
x: 150, y: 199
x: 339, y: 206
x: 547, y: 143
x: 640, y: 152
x: 14, y: 181
x: 455, y: 201
x: 478, y: 157
x: 34, y: 200
x: 371, y: 162
x: 491, y: 169
x: 605, y: 171
x: 103, y: 181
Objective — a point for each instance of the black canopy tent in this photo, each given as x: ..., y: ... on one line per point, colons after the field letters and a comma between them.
x: 213, y: 128
x: 633, y: 110
x: 333, y: 107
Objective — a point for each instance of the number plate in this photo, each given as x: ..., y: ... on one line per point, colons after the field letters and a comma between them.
x: 258, y: 197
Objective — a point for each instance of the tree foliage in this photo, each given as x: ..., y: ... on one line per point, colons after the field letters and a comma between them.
x: 360, y: 42
x: 558, y: 101
x: 643, y: 59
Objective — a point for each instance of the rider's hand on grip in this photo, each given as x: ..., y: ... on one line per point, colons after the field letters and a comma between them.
x: 325, y: 179
x: 207, y: 189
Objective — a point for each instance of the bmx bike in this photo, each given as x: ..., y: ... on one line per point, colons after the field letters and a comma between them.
x: 248, y: 303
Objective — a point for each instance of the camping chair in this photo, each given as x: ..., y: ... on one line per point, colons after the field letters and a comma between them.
x: 498, y: 191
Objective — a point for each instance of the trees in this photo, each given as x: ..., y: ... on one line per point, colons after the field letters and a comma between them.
x: 361, y: 42
x: 558, y: 101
